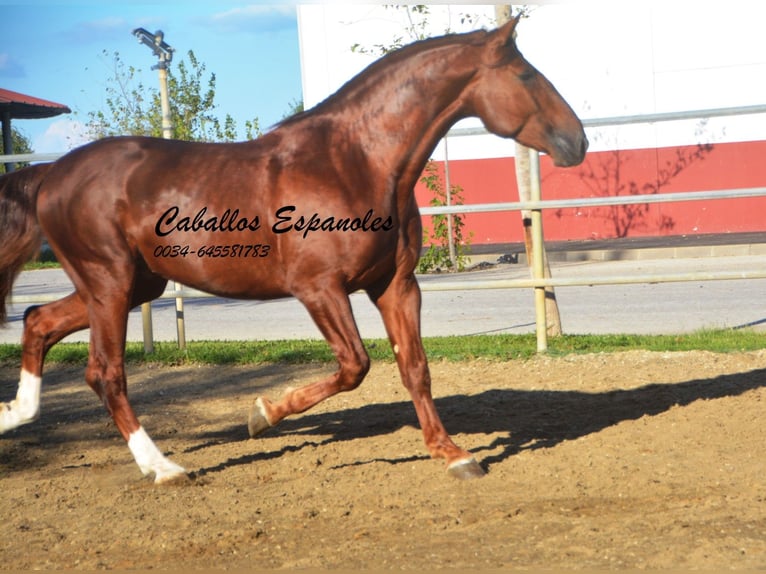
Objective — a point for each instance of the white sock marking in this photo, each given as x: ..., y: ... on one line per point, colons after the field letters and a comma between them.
x: 150, y: 459
x: 25, y: 407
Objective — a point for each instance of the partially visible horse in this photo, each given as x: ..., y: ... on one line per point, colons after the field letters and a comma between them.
x: 319, y: 207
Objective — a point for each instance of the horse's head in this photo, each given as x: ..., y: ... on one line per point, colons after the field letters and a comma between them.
x: 514, y: 100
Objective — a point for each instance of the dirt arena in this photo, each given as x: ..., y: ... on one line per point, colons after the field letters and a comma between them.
x: 628, y: 460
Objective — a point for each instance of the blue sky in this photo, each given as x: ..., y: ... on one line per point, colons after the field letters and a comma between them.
x: 55, y: 50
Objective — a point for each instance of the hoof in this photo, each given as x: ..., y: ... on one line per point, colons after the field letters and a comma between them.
x: 257, y: 422
x: 170, y: 473
x: 465, y: 469
x: 172, y: 479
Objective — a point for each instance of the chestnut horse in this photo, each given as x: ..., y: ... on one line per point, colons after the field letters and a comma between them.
x: 321, y: 206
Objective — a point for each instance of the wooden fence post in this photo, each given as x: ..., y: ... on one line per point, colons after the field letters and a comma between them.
x: 524, y: 177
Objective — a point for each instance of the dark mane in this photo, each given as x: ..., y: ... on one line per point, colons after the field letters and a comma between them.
x: 391, y: 59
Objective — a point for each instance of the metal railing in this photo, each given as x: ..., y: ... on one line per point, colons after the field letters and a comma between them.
x: 535, y: 207
x: 538, y: 281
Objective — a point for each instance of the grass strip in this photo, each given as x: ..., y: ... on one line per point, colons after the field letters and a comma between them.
x: 453, y: 348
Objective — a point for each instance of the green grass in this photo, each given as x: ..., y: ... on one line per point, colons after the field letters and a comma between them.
x: 45, y: 260
x: 35, y: 265
x: 490, y: 347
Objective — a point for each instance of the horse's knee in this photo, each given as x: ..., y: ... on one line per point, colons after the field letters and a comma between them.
x: 34, y: 330
x: 29, y: 311
x: 107, y: 382
x: 353, y: 372
x: 94, y: 376
x: 45, y: 325
x: 362, y: 366
x: 34, y: 339
x: 111, y: 379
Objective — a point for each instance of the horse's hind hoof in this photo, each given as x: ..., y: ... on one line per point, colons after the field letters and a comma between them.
x: 257, y: 421
x: 465, y: 469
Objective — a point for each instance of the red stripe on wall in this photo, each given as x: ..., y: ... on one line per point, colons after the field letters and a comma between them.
x: 665, y: 170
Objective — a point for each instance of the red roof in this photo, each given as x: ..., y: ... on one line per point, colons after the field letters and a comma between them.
x: 26, y: 107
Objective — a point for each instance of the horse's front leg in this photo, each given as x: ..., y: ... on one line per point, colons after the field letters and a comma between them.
x: 399, y: 306
x: 330, y: 309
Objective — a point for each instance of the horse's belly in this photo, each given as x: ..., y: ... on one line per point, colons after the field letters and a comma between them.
x: 242, y: 270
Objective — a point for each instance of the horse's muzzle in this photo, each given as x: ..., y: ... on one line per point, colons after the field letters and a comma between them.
x: 568, y: 150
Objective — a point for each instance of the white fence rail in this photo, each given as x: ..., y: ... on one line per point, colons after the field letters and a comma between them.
x: 595, y: 201
x: 537, y: 281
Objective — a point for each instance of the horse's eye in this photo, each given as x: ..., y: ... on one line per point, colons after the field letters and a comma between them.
x: 527, y: 75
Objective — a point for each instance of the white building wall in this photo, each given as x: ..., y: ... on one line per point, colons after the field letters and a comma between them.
x: 606, y: 58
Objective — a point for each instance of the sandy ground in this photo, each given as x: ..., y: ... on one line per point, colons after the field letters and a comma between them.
x: 630, y: 460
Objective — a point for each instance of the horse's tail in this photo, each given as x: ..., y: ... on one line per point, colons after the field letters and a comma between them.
x: 20, y: 233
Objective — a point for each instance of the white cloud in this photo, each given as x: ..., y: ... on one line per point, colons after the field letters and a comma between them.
x: 97, y: 31
x: 254, y: 19
x: 10, y: 67
x: 61, y: 136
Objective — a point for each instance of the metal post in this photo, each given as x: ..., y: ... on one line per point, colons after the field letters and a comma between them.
x: 167, y: 124
x: 167, y: 133
x: 448, y: 196
x: 164, y: 54
x: 8, y: 140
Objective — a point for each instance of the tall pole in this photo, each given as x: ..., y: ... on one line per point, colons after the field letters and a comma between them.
x: 448, y: 192
x: 167, y: 123
x: 528, y: 182
x: 167, y: 133
x: 164, y: 55
x: 538, y: 254
x: 7, y: 139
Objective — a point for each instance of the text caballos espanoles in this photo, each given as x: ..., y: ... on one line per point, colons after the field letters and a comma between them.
x: 230, y: 221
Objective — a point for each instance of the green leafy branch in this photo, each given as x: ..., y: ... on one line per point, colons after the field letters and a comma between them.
x: 438, y: 255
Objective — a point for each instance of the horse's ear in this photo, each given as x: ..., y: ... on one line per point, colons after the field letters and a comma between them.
x: 503, y: 41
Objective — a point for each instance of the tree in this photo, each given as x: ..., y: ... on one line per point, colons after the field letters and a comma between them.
x: 294, y: 107
x: 446, y: 229
x: 415, y: 29
x: 134, y: 109
x: 20, y: 143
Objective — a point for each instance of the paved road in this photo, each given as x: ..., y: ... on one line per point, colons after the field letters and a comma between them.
x: 637, y: 308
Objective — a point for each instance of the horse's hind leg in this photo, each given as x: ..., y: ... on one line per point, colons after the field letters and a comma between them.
x: 331, y: 311
x: 44, y: 326
x: 105, y: 372
x: 399, y: 305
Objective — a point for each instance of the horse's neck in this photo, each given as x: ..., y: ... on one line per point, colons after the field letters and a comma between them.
x: 402, y: 113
